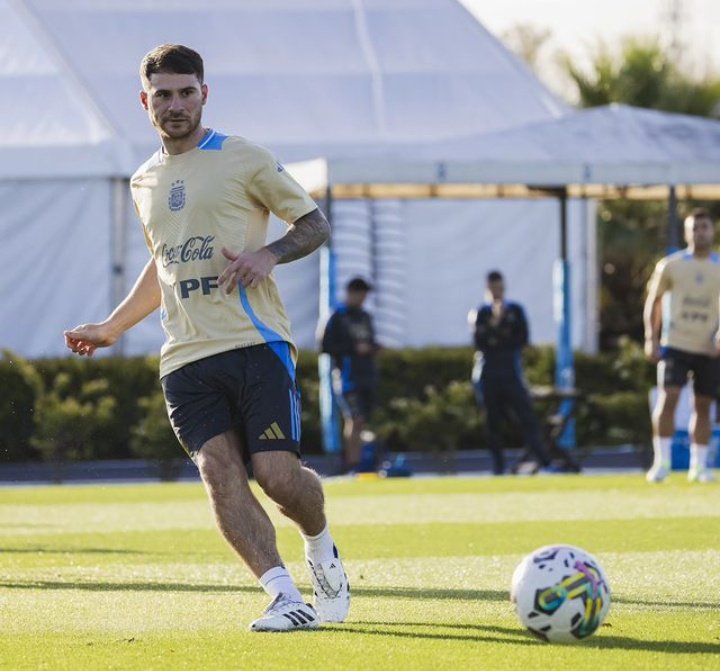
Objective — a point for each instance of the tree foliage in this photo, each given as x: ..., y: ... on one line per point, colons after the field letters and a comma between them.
x: 643, y: 75
x: 527, y: 41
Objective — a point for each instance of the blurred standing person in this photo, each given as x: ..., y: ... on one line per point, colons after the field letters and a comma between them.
x: 228, y: 363
x: 349, y: 338
x: 681, y: 335
x: 500, y: 332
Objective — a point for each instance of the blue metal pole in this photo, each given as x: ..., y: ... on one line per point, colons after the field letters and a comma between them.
x: 329, y: 412
x: 673, y: 233
x: 564, y: 365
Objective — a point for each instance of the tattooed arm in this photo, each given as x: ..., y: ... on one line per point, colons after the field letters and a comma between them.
x: 250, y: 268
x: 302, y: 238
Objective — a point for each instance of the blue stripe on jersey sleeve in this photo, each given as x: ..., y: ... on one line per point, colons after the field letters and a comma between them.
x: 274, y: 340
x: 213, y: 141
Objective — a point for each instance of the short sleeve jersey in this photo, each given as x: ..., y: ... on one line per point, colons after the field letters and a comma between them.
x: 691, y: 289
x: 193, y: 204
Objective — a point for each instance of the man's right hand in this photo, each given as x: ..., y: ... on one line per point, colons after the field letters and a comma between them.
x: 652, y: 349
x: 86, y: 338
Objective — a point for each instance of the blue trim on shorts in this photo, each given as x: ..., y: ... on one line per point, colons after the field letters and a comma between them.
x: 275, y: 341
x: 294, y: 415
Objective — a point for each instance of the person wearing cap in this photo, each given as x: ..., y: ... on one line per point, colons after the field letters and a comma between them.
x: 349, y: 338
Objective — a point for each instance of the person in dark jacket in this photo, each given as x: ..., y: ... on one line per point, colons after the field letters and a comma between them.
x: 349, y: 338
x: 500, y: 333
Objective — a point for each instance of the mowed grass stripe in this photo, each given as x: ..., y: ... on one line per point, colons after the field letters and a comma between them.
x: 57, y: 515
x: 471, y: 589
x: 367, y: 541
x: 390, y: 629
x: 420, y: 643
x: 345, y: 487
x: 638, y: 581
x: 496, y: 508
x: 94, y: 494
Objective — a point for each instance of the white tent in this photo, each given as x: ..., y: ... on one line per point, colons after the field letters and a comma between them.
x: 308, y: 78
x: 609, y: 151
x: 603, y: 152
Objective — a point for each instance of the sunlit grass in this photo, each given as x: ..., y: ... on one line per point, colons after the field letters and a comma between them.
x: 136, y: 577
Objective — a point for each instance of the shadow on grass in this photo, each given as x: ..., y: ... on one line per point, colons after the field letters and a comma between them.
x: 380, y: 592
x: 412, y: 593
x: 515, y: 635
x: 503, y: 595
x: 699, y: 605
x: 668, y: 647
x: 63, y: 551
x: 128, y: 586
x: 474, y: 633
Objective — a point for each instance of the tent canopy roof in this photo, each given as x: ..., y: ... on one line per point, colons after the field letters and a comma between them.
x: 603, y: 152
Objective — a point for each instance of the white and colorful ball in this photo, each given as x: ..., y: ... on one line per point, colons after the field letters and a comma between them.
x: 561, y: 593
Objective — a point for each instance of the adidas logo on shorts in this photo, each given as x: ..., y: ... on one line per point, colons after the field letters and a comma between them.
x: 273, y: 432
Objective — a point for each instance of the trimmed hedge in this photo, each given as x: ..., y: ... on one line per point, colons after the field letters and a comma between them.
x: 111, y: 408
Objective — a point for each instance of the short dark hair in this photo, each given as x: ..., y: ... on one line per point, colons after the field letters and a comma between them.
x: 700, y: 213
x: 172, y: 58
x: 494, y: 276
x: 358, y: 284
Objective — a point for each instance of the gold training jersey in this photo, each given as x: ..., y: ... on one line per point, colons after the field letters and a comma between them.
x: 691, y: 299
x: 191, y: 205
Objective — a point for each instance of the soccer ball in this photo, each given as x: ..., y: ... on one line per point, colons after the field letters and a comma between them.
x: 561, y: 593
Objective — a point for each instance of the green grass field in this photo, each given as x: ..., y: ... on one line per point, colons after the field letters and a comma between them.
x: 136, y: 577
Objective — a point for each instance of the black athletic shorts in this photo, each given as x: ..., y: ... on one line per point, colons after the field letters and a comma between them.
x: 250, y: 389
x: 676, y: 366
x: 358, y: 403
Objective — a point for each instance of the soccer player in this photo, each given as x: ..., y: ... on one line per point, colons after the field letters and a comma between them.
x: 228, y: 363
x: 349, y: 337
x: 681, y: 336
x: 500, y: 331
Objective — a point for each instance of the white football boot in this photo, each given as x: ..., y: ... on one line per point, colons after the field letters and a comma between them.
x: 701, y: 475
x: 284, y: 614
x: 658, y: 473
x: 331, y: 589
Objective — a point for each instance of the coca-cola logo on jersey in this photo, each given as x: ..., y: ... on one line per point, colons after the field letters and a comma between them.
x: 197, y: 248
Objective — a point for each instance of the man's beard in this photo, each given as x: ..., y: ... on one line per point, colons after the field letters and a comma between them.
x: 703, y: 245
x: 179, y: 133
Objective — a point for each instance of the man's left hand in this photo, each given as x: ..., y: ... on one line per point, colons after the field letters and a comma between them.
x: 246, y: 268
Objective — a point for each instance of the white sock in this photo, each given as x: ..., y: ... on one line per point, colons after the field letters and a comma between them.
x: 661, y: 448
x: 320, y: 548
x: 277, y: 580
x: 698, y: 457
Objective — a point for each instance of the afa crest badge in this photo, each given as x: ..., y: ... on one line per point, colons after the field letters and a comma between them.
x: 176, y: 199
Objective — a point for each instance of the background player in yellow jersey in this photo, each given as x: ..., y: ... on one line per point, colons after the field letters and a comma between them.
x: 228, y: 364
x: 681, y: 335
